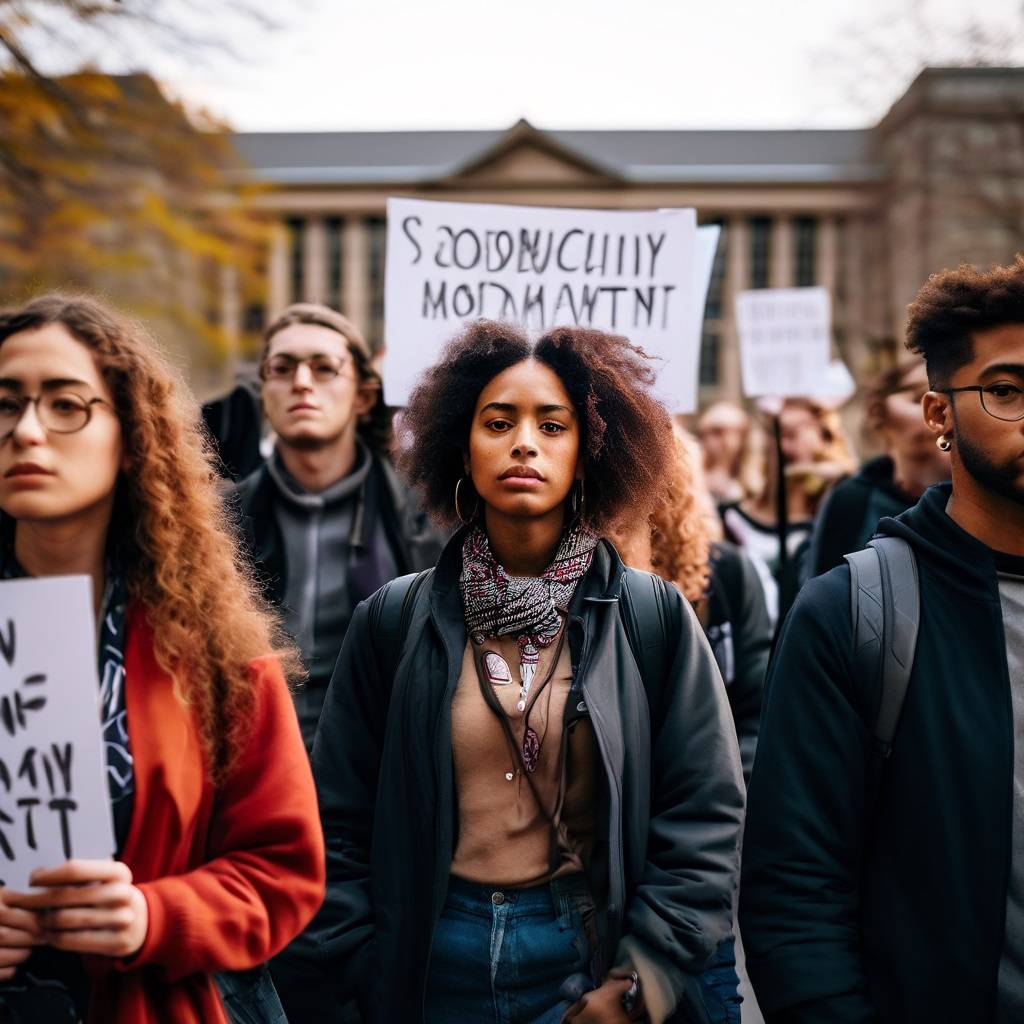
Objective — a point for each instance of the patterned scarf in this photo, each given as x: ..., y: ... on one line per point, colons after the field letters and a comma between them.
x: 497, y: 604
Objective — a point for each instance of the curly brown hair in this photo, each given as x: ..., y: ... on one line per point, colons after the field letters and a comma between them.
x: 626, y: 434
x: 955, y: 303
x: 169, y: 529
x: 674, y: 541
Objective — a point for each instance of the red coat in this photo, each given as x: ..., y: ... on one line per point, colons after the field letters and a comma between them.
x: 230, y: 875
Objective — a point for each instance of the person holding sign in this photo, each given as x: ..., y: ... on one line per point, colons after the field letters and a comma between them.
x: 528, y: 776
x: 219, y: 862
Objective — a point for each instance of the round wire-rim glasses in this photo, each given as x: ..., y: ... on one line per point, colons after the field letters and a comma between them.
x: 58, y: 413
x: 1002, y: 400
x: 323, y: 368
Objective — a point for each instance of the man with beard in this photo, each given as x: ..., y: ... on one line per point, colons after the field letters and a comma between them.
x: 903, y: 900
x: 325, y: 517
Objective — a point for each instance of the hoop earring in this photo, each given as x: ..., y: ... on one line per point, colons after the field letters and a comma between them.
x: 577, y: 499
x: 458, y: 511
x: 943, y: 443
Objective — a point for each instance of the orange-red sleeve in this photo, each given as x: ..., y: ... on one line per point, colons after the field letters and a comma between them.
x: 264, y: 879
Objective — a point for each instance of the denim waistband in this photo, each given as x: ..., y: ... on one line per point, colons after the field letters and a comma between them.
x: 536, y: 900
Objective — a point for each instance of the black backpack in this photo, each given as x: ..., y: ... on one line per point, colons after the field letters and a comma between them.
x: 885, y: 611
x: 643, y: 608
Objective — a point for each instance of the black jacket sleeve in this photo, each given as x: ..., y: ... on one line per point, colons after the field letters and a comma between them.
x: 752, y: 643
x: 805, y: 830
x: 682, y: 907
x: 346, y: 764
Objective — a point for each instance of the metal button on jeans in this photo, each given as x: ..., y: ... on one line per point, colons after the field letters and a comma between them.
x: 497, y: 898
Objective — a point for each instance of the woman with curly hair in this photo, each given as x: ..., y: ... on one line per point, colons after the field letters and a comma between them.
x: 104, y: 471
x: 528, y: 778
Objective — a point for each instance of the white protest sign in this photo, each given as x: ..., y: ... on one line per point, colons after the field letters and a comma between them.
x: 784, y: 340
x: 53, y: 788
x: 630, y: 273
x: 704, y: 264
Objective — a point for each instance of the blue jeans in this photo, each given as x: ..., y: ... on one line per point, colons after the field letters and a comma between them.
x: 502, y: 955
x: 719, y: 985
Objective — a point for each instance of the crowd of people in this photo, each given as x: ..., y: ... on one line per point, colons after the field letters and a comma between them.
x: 466, y: 712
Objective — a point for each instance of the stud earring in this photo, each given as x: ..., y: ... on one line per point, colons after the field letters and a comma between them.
x: 943, y: 443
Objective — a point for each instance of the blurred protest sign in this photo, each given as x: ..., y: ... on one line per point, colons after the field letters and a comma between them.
x: 53, y: 789
x: 635, y: 274
x: 784, y: 340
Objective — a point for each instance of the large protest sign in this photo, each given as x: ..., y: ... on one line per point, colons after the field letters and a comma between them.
x: 53, y: 790
x: 635, y: 274
x: 785, y: 338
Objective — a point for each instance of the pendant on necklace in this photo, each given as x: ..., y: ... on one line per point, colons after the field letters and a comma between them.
x: 529, y: 657
x: 497, y: 669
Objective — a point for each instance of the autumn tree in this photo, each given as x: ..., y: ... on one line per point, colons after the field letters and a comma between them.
x: 107, y: 184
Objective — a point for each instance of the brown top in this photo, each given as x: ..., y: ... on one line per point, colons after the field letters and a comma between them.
x: 505, y: 838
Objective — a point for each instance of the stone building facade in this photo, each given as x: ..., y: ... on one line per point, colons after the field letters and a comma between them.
x: 866, y: 213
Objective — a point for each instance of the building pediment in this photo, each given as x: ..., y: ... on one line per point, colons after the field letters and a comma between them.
x: 526, y: 156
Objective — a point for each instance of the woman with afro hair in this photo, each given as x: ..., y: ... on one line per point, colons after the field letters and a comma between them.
x: 528, y: 775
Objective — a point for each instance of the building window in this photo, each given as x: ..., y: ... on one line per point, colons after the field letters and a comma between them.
x: 709, y: 348
x: 332, y: 228
x: 805, y: 239
x: 760, y: 251
x: 376, y: 228
x: 716, y: 289
x: 297, y: 257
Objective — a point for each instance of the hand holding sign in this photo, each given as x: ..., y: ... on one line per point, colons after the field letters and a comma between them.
x: 20, y: 932
x: 87, y: 906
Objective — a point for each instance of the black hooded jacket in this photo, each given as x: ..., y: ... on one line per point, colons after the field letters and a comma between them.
x: 849, y: 915
x: 671, y: 808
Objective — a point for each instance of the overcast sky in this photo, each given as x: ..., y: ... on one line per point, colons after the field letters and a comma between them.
x: 389, y: 64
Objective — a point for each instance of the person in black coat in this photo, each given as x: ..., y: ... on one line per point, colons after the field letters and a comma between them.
x: 524, y: 822
x: 904, y: 901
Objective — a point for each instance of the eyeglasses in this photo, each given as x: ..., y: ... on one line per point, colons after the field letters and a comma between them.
x: 1003, y: 400
x: 61, y: 412
x: 282, y: 368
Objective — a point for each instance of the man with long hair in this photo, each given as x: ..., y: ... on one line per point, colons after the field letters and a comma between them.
x: 884, y: 882
x: 325, y: 517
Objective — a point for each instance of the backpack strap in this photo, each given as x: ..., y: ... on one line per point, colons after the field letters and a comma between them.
x: 391, y: 613
x: 644, y: 613
x: 885, y: 612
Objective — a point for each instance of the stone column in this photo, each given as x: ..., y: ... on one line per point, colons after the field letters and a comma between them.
x: 230, y: 311
x: 279, y: 271
x: 737, y: 279
x: 828, y: 255
x: 780, y: 271
x: 316, y: 261
x: 355, y: 273
x: 855, y: 314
